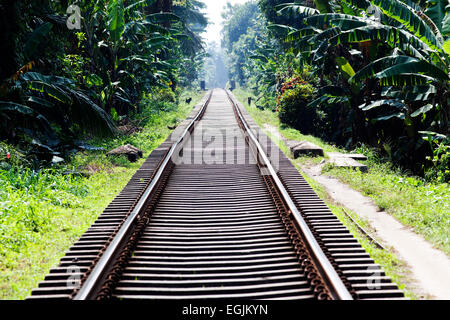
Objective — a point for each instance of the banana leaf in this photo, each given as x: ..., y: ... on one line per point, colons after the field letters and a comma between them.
x: 422, y: 110
x: 384, y: 102
x: 89, y: 115
x: 296, y: 9
x: 410, y: 19
x: 446, y: 25
x: 321, y: 51
x: 346, y: 68
x: 281, y: 28
x: 348, y: 24
x: 51, y: 79
x: 323, y: 21
x: 51, y: 90
x: 410, y: 93
x: 399, y: 115
x: 300, y: 34
x: 35, y: 39
x: 378, y: 65
x: 392, y: 36
x: 116, y: 20
x: 15, y: 107
x: 414, y: 67
x: 436, y: 11
x: 324, y: 35
x: 411, y: 79
x: 41, y: 102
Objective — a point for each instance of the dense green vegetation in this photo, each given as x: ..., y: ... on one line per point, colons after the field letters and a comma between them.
x: 44, y: 211
x: 352, y: 71
x: 66, y: 77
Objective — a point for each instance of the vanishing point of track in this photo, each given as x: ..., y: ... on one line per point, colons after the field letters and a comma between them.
x: 217, y: 211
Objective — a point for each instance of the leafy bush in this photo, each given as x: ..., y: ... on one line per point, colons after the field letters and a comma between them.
x: 440, y: 160
x: 11, y: 157
x: 292, y: 106
x: 370, y: 152
x: 166, y: 95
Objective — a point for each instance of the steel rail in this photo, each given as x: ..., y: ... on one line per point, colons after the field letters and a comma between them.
x: 363, y: 231
x: 87, y: 288
x: 329, y: 273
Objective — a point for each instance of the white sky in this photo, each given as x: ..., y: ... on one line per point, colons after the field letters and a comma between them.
x: 213, y: 11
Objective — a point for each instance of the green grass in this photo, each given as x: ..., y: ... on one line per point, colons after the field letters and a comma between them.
x: 42, y: 217
x: 392, y: 266
x: 423, y: 206
x: 43, y: 213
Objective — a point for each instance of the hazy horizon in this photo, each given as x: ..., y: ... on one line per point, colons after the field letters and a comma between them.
x: 213, y: 11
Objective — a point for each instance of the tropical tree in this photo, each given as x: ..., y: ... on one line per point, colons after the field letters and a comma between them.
x: 385, y: 59
x: 237, y: 41
x: 57, y: 84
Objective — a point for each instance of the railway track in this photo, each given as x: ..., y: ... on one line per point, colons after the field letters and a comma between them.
x: 217, y: 211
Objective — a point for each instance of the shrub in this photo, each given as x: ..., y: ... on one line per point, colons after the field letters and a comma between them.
x: 440, y: 161
x: 166, y: 95
x: 292, y: 106
x: 11, y: 157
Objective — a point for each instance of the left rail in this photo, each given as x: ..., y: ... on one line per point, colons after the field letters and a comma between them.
x: 93, y: 276
x: 93, y: 284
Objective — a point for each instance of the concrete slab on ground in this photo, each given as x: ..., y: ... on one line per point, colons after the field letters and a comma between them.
x: 348, y: 163
x: 299, y: 148
x: 354, y: 156
x: 343, y: 160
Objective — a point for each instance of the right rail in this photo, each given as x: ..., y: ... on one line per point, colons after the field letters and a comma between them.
x: 336, y: 287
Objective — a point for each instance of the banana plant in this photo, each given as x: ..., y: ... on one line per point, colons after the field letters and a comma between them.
x: 58, y: 98
x: 414, y: 65
x: 125, y: 48
x: 125, y: 41
x: 50, y: 110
